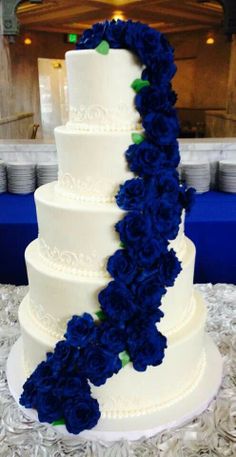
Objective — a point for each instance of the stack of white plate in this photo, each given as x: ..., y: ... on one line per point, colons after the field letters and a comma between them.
x: 3, y: 177
x: 197, y: 175
x: 21, y: 177
x: 227, y: 176
x: 46, y: 172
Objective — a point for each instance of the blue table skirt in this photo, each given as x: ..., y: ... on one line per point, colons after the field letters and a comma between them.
x: 211, y: 225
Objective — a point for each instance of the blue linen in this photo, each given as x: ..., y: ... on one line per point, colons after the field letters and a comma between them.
x: 211, y: 225
x: 18, y: 227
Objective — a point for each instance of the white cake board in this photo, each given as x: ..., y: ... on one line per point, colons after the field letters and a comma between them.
x: 143, y: 426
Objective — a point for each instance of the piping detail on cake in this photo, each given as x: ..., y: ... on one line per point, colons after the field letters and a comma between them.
x: 112, y: 413
x: 56, y: 327
x: 189, y: 312
x: 102, y: 119
x: 87, y: 190
x: 82, y: 264
x: 46, y: 321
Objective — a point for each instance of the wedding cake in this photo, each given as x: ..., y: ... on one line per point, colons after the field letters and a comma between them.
x: 112, y: 326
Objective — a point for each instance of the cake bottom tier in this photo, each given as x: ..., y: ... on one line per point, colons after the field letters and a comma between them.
x: 132, y: 393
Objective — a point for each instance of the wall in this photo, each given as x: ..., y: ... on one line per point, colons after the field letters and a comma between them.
x: 201, y: 80
x: 22, y: 59
x: 202, y: 77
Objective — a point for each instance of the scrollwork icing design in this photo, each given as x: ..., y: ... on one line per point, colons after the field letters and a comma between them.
x: 98, y: 117
x: 49, y: 323
x: 112, y: 408
x: 82, y: 264
x: 89, y: 189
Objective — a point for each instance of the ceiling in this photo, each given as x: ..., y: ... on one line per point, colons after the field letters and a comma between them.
x: 169, y: 16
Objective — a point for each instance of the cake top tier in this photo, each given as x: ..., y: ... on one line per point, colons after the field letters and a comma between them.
x: 100, y: 93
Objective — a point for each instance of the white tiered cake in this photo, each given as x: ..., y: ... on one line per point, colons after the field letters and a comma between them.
x: 76, y: 217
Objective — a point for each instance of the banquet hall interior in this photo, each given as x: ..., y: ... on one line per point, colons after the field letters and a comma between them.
x: 34, y: 37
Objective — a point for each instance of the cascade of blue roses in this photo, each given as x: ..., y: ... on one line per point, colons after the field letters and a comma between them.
x: 125, y: 329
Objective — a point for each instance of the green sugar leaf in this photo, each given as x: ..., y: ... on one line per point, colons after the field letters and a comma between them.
x: 59, y: 422
x: 138, y: 84
x: 103, y: 47
x: 137, y: 138
x: 100, y: 314
x: 125, y: 358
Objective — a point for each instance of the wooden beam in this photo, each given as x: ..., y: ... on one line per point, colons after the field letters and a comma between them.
x: 56, y: 28
x: 53, y: 14
x: 183, y: 13
x: 184, y: 28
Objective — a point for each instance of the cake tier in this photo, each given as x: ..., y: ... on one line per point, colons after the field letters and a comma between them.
x: 56, y: 295
x: 100, y: 93
x: 131, y: 393
x: 78, y: 237
x: 105, y: 151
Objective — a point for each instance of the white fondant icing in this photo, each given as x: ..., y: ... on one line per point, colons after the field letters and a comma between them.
x: 91, y: 166
x: 88, y: 190
x: 84, y: 265
x: 100, y: 99
x: 130, y: 392
x: 52, y: 288
x: 91, y: 237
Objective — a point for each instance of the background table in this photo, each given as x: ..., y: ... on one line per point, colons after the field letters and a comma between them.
x: 211, y: 225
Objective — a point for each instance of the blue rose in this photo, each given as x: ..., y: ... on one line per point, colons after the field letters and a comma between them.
x: 149, y: 253
x: 172, y: 155
x: 70, y: 386
x: 81, y: 413
x: 64, y: 358
x: 143, y: 40
x: 155, y: 98
x: 132, y: 195
x: 115, y: 33
x: 148, y: 349
x: 98, y: 364
x: 121, y: 266
x: 161, y: 70
x: 149, y: 291
x: 92, y: 37
x: 44, y: 377
x: 187, y: 197
x: 134, y: 228
x: 143, y: 325
x: 81, y: 330
x: 170, y: 266
x: 117, y: 302
x: 146, y: 158
x: 111, y: 337
x: 166, y: 219
x: 165, y: 186
x: 49, y: 407
x: 28, y: 395
x: 162, y: 128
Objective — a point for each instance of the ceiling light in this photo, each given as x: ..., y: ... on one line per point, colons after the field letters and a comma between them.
x: 27, y: 41
x: 118, y: 15
x: 210, y: 39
